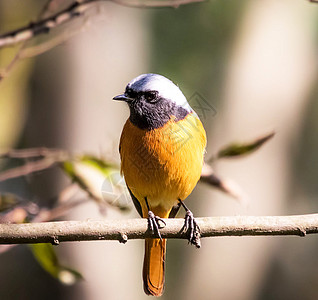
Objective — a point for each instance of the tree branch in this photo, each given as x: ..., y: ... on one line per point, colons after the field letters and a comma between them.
x: 76, y: 9
x: 122, y: 230
x: 31, y: 153
x: 29, y: 168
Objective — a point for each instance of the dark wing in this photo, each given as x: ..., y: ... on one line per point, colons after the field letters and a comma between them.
x: 174, y: 210
x: 136, y: 202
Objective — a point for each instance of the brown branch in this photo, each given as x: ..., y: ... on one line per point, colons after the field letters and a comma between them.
x: 122, y: 230
x: 43, y: 26
x: 59, y: 211
x: 46, y: 158
x: 31, y: 153
x: 31, y: 167
x: 27, y: 168
x: 76, y: 9
x: 43, y: 47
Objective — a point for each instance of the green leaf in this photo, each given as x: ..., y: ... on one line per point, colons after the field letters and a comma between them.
x: 46, y: 257
x: 48, y: 260
x: 239, y: 149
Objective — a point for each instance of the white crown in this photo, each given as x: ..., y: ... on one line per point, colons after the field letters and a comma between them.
x: 165, y: 87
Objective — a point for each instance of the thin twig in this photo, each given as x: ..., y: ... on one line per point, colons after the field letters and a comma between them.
x: 58, y: 211
x: 122, y: 230
x: 43, y: 47
x: 226, y: 186
x: 30, y: 167
x: 31, y: 152
x: 42, y: 26
x: 46, y: 158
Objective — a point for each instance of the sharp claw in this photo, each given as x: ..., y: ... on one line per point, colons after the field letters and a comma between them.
x: 150, y: 221
x: 153, y: 224
x: 191, y: 226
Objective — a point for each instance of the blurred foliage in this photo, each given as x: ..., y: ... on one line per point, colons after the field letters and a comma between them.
x: 23, y: 10
x: 192, y: 44
x: 47, y: 258
x: 306, y: 158
x: 13, y: 101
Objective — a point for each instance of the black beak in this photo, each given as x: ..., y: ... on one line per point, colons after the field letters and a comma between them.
x: 122, y: 98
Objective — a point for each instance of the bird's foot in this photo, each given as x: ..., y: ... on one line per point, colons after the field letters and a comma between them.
x: 154, y: 224
x: 192, y: 228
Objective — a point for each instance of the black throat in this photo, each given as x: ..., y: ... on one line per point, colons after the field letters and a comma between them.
x: 150, y: 116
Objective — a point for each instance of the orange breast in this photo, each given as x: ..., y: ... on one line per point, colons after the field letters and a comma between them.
x: 163, y: 164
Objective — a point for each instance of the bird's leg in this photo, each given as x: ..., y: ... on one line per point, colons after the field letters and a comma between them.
x: 154, y: 222
x: 191, y: 226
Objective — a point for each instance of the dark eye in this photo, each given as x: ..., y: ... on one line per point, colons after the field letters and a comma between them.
x: 130, y: 93
x: 151, y: 96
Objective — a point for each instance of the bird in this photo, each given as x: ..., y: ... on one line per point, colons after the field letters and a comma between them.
x: 162, y: 149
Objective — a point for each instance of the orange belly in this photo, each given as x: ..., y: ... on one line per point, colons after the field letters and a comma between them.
x: 162, y: 164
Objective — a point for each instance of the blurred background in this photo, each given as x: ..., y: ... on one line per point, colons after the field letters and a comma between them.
x: 254, y: 62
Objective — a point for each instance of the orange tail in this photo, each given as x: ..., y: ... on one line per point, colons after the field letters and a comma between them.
x: 154, y: 266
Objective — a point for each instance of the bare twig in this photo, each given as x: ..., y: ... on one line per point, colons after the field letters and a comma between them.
x: 29, y: 168
x: 31, y: 152
x: 122, y: 230
x: 42, y: 26
x: 43, y: 47
x: 58, y: 211
x: 63, y: 205
x: 46, y: 158
x: 76, y: 9
x: 227, y: 186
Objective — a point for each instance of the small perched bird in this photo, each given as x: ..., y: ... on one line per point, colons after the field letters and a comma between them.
x: 161, y: 148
